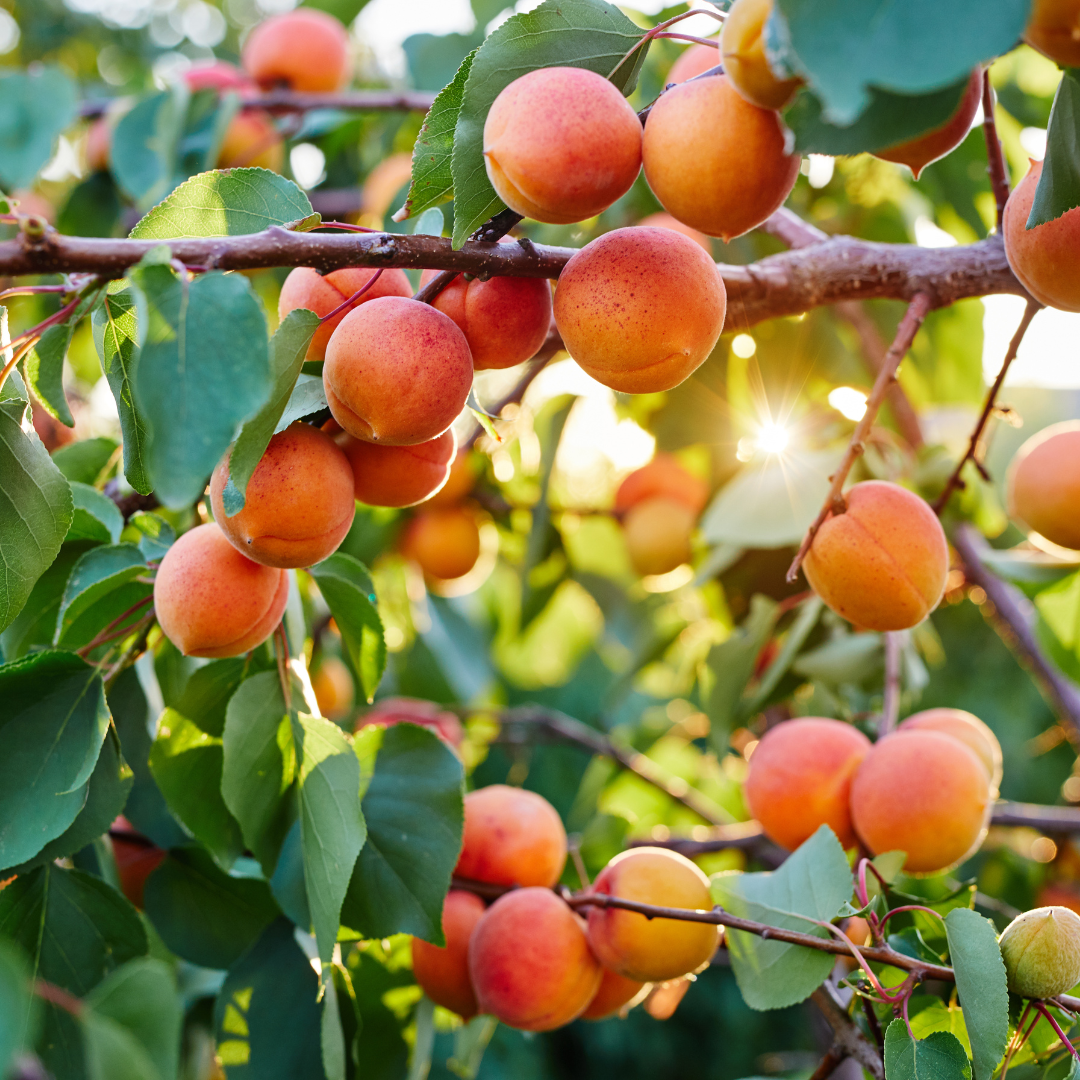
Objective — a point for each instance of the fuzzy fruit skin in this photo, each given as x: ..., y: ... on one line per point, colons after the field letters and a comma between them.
x: 399, y: 475
x: 882, y: 564
x: 530, y: 961
x: 640, y: 309
x: 1043, y: 484
x: 693, y: 61
x: 969, y: 729
x: 511, y: 837
x: 663, y: 220
x: 443, y: 541
x: 459, y: 484
x: 1054, y: 29
x: 443, y: 973
x: 658, y: 949
x: 403, y: 710
x: 1041, y: 950
x: 252, y: 142
x: 924, y: 793
x: 742, y: 45
x: 334, y: 688
x: 561, y: 144
x: 614, y: 992
x: 299, y: 502
x: 662, y: 476
x: 658, y: 534
x: 397, y: 372
x: 714, y: 160
x: 212, y: 601
x: 304, y: 50
x: 800, y: 779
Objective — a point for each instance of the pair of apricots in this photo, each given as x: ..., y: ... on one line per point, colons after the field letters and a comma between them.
x: 529, y: 958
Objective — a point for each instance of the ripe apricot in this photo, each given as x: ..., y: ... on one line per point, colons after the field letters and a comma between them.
x: 252, y: 141
x: 212, y: 601
x: 459, y: 484
x: 511, y: 837
x: 694, y: 61
x: 1043, y: 484
x: 299, y: 502
x: 613, y: 994
x: 663, y: 220
x: 715, y: 161
x: 640, y: 309
x: 561, y: 144
x: 399, y: 475
x: 98, y: 145
x: 882, y: 564
x: 402, y: 710
x: 1041, y: 950
x: 217, y: 75
x: 334, y: 688
x: 1054, y: 29
x: 530, y: 961
x: 658, y: 534
x: 322, y: 293
x: 969, y: 729
x: 384, y: 182
x: 136, y: 859
x: 397, y: 371
x: 443, y: 973
x: 652, y: 950
x: 923, y: 793
x: 800, y: 779
x: 305, y: 50
x: 663, y: 476
x: 443, y: 541
x: 746, y: 64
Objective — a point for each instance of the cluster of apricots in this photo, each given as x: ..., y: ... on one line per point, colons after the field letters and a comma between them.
x: 529, y: 958
x: 926, y: 788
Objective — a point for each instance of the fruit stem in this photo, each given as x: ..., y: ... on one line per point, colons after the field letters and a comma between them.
x: 1041, y: 1008
x: 658, y: 29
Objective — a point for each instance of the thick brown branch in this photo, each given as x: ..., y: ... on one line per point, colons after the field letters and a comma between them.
x: 995, y: 156
x: 848, y: 1037
x: 292, y: 101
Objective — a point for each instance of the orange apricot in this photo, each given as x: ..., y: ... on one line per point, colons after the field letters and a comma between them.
x: 399, y: 475
x: 252, y: 141
x: 694, y: 61
x: 443, y: 541
x: 663, y: 220
x: 530, y: 961
x: 217, y: 75
x: 334, y: 688
x: 561, y: 144
x: 1059, y: 894
x: 966, y: 727
x: 212, y: 601
x: 1043, y: 484
x: 384, y: 182
x: 305, y: 50
x: 640, y: 309
x: 746, y: 63
x: 459, y: 484
x: 397, y: 371
x: 443, y: 973
x: 402, y: 710
x: 881, y: 564
x: 663, y: 476
x: 1054, y: 29
x: 299, y: 502
x: 136, y: 859
x: 98, y: 145
x: 923, y: 793
x: 652, y: 950
x: 715, y: 161
x: 511, y: 837
x: 614, y: 992
x: 658, y: 533
x: 800, y: 778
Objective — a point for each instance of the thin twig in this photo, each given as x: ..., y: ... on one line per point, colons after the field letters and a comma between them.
x: 846, y: 1032
x: 295, y: 101
x: 890, y: 705
x: 1065, y: 1041
x: 995, y: 156
x: 829, y: 1063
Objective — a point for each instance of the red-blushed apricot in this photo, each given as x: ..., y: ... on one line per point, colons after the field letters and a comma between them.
x: 402, y: 710
x: 443, y: 973
x: 384, y: 182
x: 1059, y: 894
x: 969, y: 729
x: 694, y: 61
x: 662, y: 476
x: 459, y: 484
x: 511, y: 837
x: 399, y: 475
x: 640, y: 309
x: 397, y: 371
x: 1043, y: 258
x: 217, y: 75
x: 34, y: 203
x: 252, y: 141
x: 746, y: 64
x: 652, y: 950
x: 212, y: 601
x: 715, y: 161
x: 304, y: 50
x: 530, y: 961
x: 98, y: 145
x: 136, y: 859
x: 917, y: 153
x: 663, y: 220
x: 322, y: 293
x: 666, y: 997
x: 614, y: 992
x: 334, y: 688
x: 882, y: 564
x: 1054, y: 29
x: 800, y: 778
x: 299, y: 502
x: 923, y: 793
x: 444, y: 541
x: 561, y: 144
x: 1043, y: 484
x: 658, y: 534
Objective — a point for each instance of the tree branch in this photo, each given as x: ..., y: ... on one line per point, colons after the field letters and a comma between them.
x: 848, y: 1037
x: 293, y: 101
x: 995, y: 156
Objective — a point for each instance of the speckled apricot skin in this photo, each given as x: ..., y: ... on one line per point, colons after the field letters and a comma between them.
x: 658, y: 533
x: 640, y: 309
x: 882, y: 564
x: 403, y: 710
x: 969, y: 729
x: 306, y: 50
x: 443, y: 541
x: 693, y: 61
x: 614, y: 992
x: 443, y: 973
x: 561, y: 144
x: 1043, y: 484
x: 299, y: 502
x: 212, y: 601
x: 662, y: 476
x: 399, y: 475
x: 742, y: 46
x: 1054, y: 29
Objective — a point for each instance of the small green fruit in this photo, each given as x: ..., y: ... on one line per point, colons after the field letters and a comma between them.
x: 1041, y: 949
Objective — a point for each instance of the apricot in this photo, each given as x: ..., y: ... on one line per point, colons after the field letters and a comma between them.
x: 663, y: 220
x: 305, y: 50
x: 459, y: 483
x: 800, y: 779
x: 402, y: 710
x: 658, y: 534
x: 334, y: 688
x: 561, y: 144
x: 1041, y: 950
x: 511, y: 837
x: 1043, y: 258
x: 322, y: 293
x: 399, y: 475
x: 1043, y: 484
x: 924, y: 793
x: 882, y: 564
x: 640, y: 309
x: 397, y: 371
x: 217, y: 75
x: 212, y: 601
x: 252, y: 141
x: 1059, y: 894
x: 694, y: 61
x: 663, y: 476
x: 613, y: 994
x: 136, y: 859
x: 98, y: 145
x: 1054, y: 29
x: 444, y: 541
x: 652, y: 950
x: 746, y: 63
x: 969, y: 729
x: 715, y: 161
x: 299, y: 502
x: 530, y: 961
x: 384, y: 182
x: 443, y: 973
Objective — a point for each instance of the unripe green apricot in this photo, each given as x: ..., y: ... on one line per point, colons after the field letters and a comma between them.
x: 1041, y: 950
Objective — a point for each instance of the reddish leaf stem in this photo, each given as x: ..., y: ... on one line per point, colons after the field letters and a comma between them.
x: 1047, y: 1015
x: 995, y: 156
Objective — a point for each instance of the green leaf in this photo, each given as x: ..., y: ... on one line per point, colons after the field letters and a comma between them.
x: 847, y: 660
x: 308, y: 396
x: 157, y: 534
x: 207, y: 690
x: 589, y: 34
x: 145, y: 143
x: 85, y: 460
x: 100, y: 571
x: 92, y: 208
x: 332, y: 1036
x: 35, y: 108
x: 96, y: 516
x: 981, y: 986
x: 112, y: 1051
x: 937, y: 1016
x: 204, y: 369
x: 413, y: 810
x: 18, y: 1007
x: 348, y: 591
x: 937, y: 1057
x: 1059, y: 185
x: 811, y: 884
x: 232, y: 203
x: 44, y: 371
